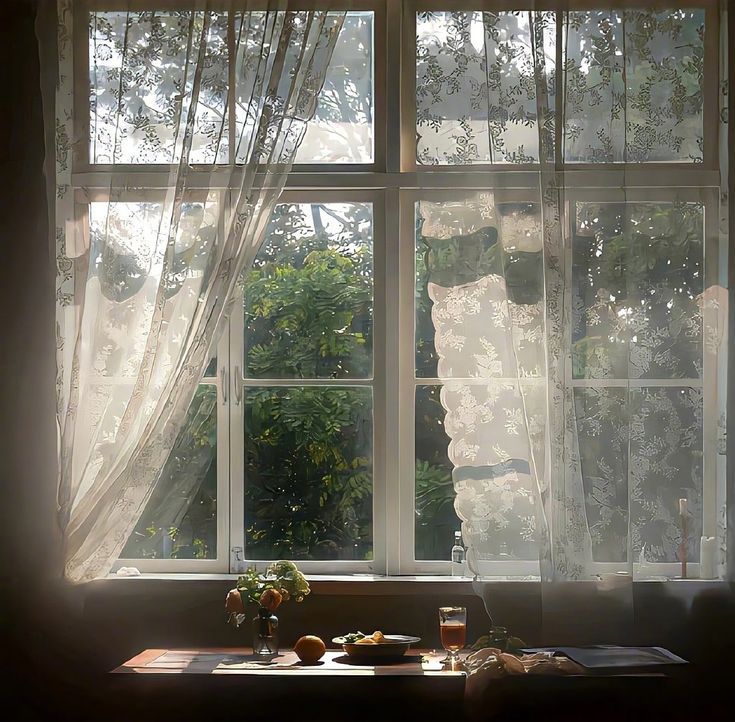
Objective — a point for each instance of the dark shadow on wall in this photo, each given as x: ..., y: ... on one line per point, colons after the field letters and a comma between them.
x: 42, y: 653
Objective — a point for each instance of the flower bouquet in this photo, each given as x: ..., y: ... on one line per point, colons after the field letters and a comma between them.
x: 282, y: 581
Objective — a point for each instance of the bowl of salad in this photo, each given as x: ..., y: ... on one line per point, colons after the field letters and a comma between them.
x: 377, y: 644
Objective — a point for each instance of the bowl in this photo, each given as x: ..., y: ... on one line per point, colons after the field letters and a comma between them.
x: 393, y: 645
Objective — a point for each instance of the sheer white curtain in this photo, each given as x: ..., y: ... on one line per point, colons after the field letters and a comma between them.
x: 220, y: 100
x: 581, y: 339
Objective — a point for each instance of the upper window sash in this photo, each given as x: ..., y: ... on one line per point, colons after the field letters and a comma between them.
x: 386, y: 84
x: 468, y: 40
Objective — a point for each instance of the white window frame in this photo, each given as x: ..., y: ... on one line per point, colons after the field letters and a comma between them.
x: 392, y: 183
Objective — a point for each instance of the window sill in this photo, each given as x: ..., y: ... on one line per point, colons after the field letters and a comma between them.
x: 375, y: 585
x: 331, y: 584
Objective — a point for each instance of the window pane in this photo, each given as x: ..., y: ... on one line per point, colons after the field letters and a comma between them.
x: 637, y: 278
x: 665, y: 466
x: 129, y: 241
x: 309, y: 296
x: 308, y: 473
x: 641, y: 448
x: 211, y: 370
x: 633, y: 87
x: 478, y: 263
x: 436, y: 520
x: 601, y: 416
x: 180, y: 519
x: 473, y: 256
x: 138, y: 63
x: 475, y: 87
x: 342, y: 128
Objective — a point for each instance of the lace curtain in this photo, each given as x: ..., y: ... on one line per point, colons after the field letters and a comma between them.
x: 580, y: 331
x: 146, y: 277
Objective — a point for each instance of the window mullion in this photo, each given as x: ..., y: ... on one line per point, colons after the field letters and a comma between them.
x: 403, y: 278
x: 223, y: 451
x: 407, y: 71
x: 713, y: 363
x: 393, y: 479
x: 383, y: 418
x: 236, y: 433
x: 232, y: 45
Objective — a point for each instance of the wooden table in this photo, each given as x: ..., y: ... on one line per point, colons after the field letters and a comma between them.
x: 224, y: 683
x: 421, y: 662
x: 220, y: 683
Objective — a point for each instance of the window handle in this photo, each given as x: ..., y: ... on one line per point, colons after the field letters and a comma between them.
x: 223, y: 383
x: 238, y: 385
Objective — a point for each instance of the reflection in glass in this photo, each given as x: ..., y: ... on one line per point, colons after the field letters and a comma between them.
x: 308, y: 299
x: 211, y: 370
x: 180, y: 519
x: 479, y: 290
x: 308, y: 473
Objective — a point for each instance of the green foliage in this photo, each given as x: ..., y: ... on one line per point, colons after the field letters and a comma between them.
x: 309, y: 472
x: 304, y: 320
x: 644, y: 259
x: 180, y: 519
x: 436, y: 520
x: 308, y: 314
x: 308, y: 298
x: 283, y: 576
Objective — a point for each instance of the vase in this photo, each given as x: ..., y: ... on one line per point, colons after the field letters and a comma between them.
x: 265, y: 634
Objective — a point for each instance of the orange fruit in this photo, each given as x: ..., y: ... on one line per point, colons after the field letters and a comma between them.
x: 309, y: 649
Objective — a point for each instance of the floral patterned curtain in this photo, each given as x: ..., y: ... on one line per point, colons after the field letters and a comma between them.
x: 220, y: 100
x: 580, y: 338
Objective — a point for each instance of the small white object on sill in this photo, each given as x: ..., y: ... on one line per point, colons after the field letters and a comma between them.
x: 128, y: 572
x: 707, y: 557
x: 613, y: 582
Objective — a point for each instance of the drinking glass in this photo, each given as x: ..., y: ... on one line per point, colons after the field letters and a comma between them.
x: 453, y: 630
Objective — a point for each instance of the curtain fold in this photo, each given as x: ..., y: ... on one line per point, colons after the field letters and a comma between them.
x: 220, y: 99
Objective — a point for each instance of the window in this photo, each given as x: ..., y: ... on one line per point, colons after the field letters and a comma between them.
x: 324, y: 429
x: 308, y: 392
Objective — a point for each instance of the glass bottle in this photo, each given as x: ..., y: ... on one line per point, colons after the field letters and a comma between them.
x: 458, y: 556
x: 265, y: 634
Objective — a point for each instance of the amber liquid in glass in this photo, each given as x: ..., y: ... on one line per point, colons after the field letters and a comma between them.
x: 453, y: 636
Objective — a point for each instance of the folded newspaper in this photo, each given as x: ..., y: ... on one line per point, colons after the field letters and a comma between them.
x: 604, y: 657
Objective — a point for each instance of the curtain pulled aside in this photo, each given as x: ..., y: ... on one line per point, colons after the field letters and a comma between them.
x: 580, y: 328
x: 219, y: 99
